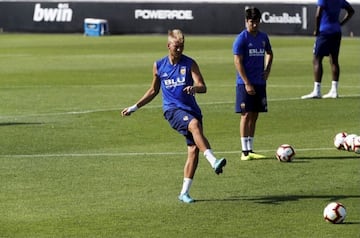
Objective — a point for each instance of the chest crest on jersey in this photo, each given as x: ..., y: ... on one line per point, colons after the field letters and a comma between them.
x: 183, y: 70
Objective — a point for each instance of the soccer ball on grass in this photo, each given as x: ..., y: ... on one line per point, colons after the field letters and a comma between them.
x: 335, y: 213
x: 285, y: 153
x: 348, y: 141
x: 339, y: 140
x: 356, y: 145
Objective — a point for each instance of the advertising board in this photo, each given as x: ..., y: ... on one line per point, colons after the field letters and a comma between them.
x: 140, y: 17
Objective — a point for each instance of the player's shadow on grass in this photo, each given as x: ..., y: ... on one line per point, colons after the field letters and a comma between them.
x: 278, y: 200
x: 308, y: 159
x: 19, y: 123
x: 350, y: 223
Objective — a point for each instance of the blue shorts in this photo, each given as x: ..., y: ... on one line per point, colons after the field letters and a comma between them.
x: 326, y: 45
x: 179, y: 120
x: 250, y: 103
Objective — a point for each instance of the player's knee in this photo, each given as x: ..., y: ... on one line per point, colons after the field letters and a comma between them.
x: 194, y: 125
x: 192, y: 149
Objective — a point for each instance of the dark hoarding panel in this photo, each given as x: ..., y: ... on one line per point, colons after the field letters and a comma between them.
x: 138, y: 17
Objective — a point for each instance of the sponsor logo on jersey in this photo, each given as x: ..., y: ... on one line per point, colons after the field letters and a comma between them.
x: 256, y: 52
x: 172, y: 83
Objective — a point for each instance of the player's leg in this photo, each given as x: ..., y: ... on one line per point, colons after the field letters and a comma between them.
x: 186, y: 127
x: 189, y: 173
x: 253, y: 116
x: 317, y: 70
x: 335, y: 71
x: 334, y: 65
x: 202, y: 143
x: 335, y: 68
x: 321, y: 49
x: 247, y: 133
x: 244, y: 135
x: 196, y: 130
x: 191, y: 162
x: 242, y: 103
x: 248, y: 106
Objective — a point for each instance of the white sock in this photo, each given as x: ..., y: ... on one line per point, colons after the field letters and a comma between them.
x: 244, y: 143
x: 334, y: 86
x: 250, y: 143
x: 186, y: 185
x: 317, y: 88
x: 209, y: 155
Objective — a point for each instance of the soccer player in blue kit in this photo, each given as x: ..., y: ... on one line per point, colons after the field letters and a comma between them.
x: 327, y: 43
x: 179, y: 78
x: 253, y: 57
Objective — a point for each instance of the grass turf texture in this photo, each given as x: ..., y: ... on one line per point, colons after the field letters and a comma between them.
x: 70, y: 166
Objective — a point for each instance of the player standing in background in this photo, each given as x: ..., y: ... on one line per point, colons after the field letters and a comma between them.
x: 179, y: 78
x: 253, y: 57
x: 327, y: 43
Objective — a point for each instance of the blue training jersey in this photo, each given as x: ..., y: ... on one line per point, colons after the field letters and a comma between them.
x: 253, y: 50
x: 329, y: 22
x: 174, y: 78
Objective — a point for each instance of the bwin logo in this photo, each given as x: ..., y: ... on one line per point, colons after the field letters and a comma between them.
x: 60, y: 14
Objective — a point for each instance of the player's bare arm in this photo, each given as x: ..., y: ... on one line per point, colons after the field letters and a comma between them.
x: 318, y: 14
x: 199, y: 82
x: 149, y: 95
x: 238, y: 61
x: 268, y: 62
x: 349, y: 13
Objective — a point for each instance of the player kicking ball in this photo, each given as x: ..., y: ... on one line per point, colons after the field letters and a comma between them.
x: 179, y: 78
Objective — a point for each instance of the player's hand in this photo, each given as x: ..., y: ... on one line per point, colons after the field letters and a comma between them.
x: 127, y: 111
x: 189, y: 90
x: 250, y: 89
x: 266, y: 74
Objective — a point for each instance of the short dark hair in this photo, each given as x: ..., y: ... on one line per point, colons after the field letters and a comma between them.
x: 252, y: 13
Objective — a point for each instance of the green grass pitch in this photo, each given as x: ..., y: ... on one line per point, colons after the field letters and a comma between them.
x: 70, y: 166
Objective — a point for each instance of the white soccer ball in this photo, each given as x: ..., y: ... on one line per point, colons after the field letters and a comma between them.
x: 339, y: 140
x: 335, y: 212
x: 285, y: 153
x: 349, y: 139
x: 356, y: 145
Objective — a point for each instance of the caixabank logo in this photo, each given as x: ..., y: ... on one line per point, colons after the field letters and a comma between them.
x: 298, y: 16
x: 61, y: 13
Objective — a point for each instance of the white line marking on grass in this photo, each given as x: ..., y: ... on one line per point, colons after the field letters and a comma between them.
x: 134, y: 154
x: 148, y: 106
x: 60, y: 113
